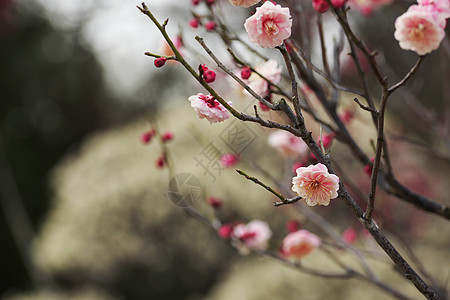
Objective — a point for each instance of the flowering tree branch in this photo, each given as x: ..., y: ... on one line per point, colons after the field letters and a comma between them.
x: 307, y: 190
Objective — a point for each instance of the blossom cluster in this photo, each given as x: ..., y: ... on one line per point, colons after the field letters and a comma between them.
x: 422, y: 27
x: 255, y: 235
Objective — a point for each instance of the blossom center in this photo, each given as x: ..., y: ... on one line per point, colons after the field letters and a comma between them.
x: 270, y: 27
x: 210, y: 101
x: 418, y: 32
x: 314, y: 185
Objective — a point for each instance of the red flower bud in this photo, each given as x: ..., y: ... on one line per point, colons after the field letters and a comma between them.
x: 225, y: 231
x: 338, y: 3
x: 146, y: 137
x: 160, y: 61
x: 320, y: 6
x: 167, y: 136
x: 246, y: 72
x: 228, y: 160
x: 194, y: 23
x: 209, y: 76
x: 350, y: 235
x: 161, y: 161
x: 347, y: 116
x: 216, y: 203
x: 293, y: 226
x: 195, y: 2
x: 210, y: 25
x: 368, y: 168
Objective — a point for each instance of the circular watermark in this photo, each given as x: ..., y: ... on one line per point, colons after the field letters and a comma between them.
x: 185, y: 190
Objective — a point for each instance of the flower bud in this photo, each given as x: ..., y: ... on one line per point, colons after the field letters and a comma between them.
x: 210, y: 25
x: 338, y: 3
x: 293, y: 226
x: 146, y: 137
x: 320, y: 6
x: 167, y: 136
x: 194, y: 23
x: 216, y: 203
x: 160, y: 61
x: 225, y: 231
x: 246, y: 72
x: 209, y: 76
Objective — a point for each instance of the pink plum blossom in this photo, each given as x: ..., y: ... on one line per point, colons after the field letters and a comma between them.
x: 315, y: 184
x: 287, y: 143
x: 271, y: 71
x: 269, y: 26
x: 299, y: 243
x: 252, y: 236
x: 293, y: 225
x: 350, y: 235
x: 229, y: 160
x: 417, y: 30
x: 440, y: 9
x: 206, y: 106
x: 244, y: 3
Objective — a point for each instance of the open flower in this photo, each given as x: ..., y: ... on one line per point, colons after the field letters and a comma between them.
x: 299, y: 243
x: 254, y: 235
x: 269, y: 26
x: 315, y: 184
x: 271, y: 71
x: 287, y: 143
x: 206, y: 106
x: 418, y: 31
x: 243, y: 3
x: 439, y: 9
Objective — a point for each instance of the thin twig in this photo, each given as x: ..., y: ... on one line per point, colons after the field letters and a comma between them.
x: 257, y: 181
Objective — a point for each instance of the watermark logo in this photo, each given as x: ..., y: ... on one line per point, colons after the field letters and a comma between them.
x: 185, y: 190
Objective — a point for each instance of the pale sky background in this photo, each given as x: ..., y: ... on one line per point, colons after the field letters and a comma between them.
x: 116, y: 32
x: 119, y: 34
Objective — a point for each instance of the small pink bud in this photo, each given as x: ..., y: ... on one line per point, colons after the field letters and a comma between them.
x: 195, y: 2
x: 146, y: 137
x: 347, y: 116
x: 338, y: 3
x: 210, y: 25
x: 204, y: 67
x: 320, y: 6
x: 246, y: 72
x: 194, y: 23
x: 368, y: 168
x: 292, y: 226
x: 160, y: 61
x: 209, y: 76
x: 327, y: 139
x: 350, y: 235
x: 167, y: 136
x: 225, y: 231
x: 161, y: 161
x: 228, y: 160
x: 216, y: 203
